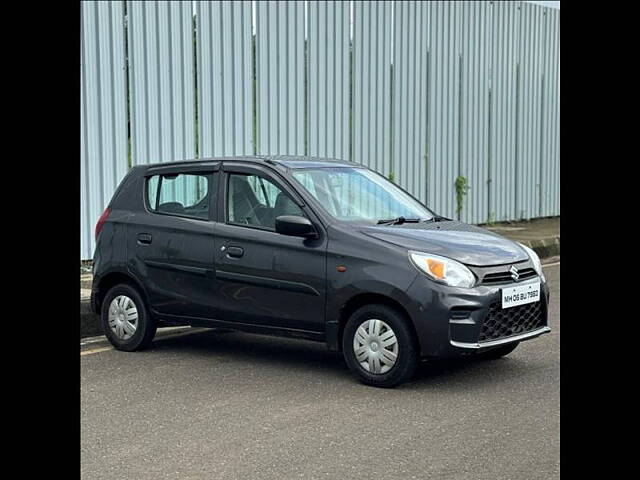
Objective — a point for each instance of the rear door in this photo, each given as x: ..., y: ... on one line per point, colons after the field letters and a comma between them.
x: 264, y: 277
x: 171, y: 242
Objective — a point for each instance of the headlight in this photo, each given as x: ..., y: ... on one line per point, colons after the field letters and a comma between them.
x: 537, y: 266
x: 443, y: 270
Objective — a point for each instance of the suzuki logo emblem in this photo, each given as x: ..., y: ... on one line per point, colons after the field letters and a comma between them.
x: 514, y: 273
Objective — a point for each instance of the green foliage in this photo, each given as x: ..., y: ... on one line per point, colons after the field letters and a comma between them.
x: 392, y: 177
x: 462, y: 187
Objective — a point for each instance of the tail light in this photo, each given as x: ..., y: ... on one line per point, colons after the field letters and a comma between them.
x: 101, y: 221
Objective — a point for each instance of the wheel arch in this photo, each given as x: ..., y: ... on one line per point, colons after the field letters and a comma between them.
x: 335, y: 329
x: 109, y: 280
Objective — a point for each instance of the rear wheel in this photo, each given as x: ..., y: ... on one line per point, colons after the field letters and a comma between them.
x: 499, y: 351
x: 379, y: 346
x: 125, y: 319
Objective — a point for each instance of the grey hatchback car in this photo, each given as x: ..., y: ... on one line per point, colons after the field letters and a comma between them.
x: 314, y: 248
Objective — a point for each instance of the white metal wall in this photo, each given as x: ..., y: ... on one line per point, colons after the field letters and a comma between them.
x: 444, y: 98
x: 550, y: 135
x: 280, y: 77
x: 224, y: 78
x: 475, y: 77
x: 161, y: 80
x: 103, y: 121
x: 527, y: 163
x: 328, y: 80
x: 503, y: 110
x: 410, y: 96
x: 422, y: 91
x: 371, y: 113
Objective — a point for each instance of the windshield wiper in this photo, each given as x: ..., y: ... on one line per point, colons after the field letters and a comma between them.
x: 438, y: 218
x: 398, y: 221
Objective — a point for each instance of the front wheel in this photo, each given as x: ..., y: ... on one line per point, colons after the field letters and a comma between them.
x: 379, y: 346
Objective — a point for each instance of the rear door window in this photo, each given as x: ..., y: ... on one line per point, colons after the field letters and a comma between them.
x: 184, y: 194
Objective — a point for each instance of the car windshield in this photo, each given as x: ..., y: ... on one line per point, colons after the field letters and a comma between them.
x: 360, y: 195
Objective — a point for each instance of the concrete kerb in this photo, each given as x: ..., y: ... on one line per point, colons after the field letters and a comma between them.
x: 544, y: 247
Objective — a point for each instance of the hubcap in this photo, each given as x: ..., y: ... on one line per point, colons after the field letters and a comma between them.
x: 123, y: 317
x: 376, y: 346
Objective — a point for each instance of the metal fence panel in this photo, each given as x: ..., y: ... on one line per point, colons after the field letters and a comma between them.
x: 444, y: 105
x: 280, y: 77
x: 526, y: 204
x: 410, y: 84
x: 328, y: 79
x: 474, y: 108
x: 504, y: 90
x: 550, y: 153
x: 427, y: 91
x: 556, y: 116
x: 103, y: 123
x: 161, y: 70
x: 371, y: 114
x: 225, y: 86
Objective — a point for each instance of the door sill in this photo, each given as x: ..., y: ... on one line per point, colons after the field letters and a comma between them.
x: 242, y: 327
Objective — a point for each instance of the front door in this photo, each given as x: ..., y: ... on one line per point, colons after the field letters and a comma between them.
x: 171, y: 242
x: 263, y: 277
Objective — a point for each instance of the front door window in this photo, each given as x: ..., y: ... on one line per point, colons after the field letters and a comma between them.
x: 253, y: 200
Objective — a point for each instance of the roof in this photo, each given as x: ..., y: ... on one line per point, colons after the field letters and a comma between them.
x: 291, y: 161
x: 287, y: 161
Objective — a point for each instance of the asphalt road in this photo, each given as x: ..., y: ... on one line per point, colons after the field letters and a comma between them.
x: 232, y: 405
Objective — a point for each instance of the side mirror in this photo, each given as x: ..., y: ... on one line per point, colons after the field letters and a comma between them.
x: 295, y: 226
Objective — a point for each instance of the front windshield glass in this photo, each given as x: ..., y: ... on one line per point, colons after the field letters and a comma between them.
x: 359, y: 195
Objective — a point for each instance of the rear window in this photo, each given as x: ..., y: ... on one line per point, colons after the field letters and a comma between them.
x: 185, y: 194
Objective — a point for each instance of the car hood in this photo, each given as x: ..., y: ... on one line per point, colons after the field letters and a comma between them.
x: 465, y: 243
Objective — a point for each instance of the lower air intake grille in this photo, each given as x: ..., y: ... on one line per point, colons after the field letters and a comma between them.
x: 502, y: 323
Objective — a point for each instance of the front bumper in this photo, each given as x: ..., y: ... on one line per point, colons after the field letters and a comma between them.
x: 448, y: 320
x: 502, y: 341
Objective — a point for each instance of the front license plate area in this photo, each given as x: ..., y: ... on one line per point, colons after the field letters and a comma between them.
x: 520, y: 295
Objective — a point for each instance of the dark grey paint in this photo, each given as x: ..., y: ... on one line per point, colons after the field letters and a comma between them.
x: 266, y: 282
x: 465, y: 243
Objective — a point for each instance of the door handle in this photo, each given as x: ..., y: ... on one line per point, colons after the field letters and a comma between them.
x: 144, y: 238
x: 235, y: 252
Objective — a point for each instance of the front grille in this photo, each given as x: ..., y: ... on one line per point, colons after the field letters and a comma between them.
x: 501, y: 323
x: 505, y: 277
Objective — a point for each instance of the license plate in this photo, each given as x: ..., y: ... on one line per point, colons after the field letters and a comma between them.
x: 520, y: 295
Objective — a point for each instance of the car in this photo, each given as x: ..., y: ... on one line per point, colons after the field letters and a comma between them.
x: 313, y: 248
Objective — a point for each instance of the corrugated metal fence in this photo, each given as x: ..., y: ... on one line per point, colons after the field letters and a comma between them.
x: 422, y: 92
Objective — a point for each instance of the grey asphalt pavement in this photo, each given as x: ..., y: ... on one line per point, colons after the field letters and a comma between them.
x: 213, y: 405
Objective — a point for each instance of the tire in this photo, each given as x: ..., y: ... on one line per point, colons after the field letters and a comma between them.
x: 123, y: 338
x: 387, y: 372
x: 499, y: 351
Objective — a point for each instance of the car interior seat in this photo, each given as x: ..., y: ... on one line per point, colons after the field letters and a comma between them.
x: 244, y: 200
